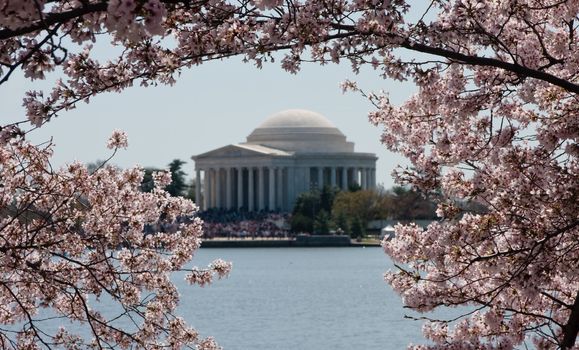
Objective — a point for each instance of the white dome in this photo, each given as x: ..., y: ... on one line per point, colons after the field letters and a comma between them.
x: 296, y: 118
x: 302, y: 131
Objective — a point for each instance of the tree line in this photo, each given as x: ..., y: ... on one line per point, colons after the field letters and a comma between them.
x: 330, y: 209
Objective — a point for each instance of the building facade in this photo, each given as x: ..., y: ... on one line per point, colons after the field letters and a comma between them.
x: 291, y: 152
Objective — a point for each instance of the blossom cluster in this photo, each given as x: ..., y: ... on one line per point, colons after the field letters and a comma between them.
x: 70, y: 238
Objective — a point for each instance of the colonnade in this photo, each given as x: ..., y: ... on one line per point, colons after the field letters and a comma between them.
x: 272, y: 187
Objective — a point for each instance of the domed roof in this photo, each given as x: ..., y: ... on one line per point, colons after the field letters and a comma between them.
x: 296, y: 118
x: 299, y: 130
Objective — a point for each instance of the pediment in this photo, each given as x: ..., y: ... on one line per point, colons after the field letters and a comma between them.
x: 236, y: 151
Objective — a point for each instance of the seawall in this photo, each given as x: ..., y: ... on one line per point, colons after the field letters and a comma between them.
x: 299, y: 241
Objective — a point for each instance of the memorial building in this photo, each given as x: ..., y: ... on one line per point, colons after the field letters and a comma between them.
x: 291, y: 152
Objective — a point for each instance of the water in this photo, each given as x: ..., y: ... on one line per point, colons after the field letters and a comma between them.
x: 294, y: 299
x: 300, y: 298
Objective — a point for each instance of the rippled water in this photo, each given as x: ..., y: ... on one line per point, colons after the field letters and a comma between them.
x: 294, y: 298
x: 300, y: 298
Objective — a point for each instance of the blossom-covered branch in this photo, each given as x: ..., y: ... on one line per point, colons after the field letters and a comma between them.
x: 495, y: 120
x: 70, y: 239
x: 204, y: 30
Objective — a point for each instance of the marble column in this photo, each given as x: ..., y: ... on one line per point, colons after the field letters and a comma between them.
x: 198, y: 189
x: 206, y: 189
x: 308, y: 179
x: 209, y: 184
x: 218, y: 188
x: 320, y: 178
x: 363, y: 182
x: 271, y: 204
x: 333, y: 176
x: 251, y: 190
x: 344, y: 178
x: 350, y: 180
x: 279, y: 191
x: 291, y: 190
x: 239, y: 188
x: 228, y: 188
x: 260, y: 188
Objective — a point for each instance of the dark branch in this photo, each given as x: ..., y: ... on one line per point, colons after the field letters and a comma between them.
x: 492, y: 62
x: 571, y: 329
x: 62, y: 17
x: 460, y: 57
x: 52, y: 19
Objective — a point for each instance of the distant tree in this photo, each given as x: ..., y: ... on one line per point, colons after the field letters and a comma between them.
x: 147, y: 184
x: 305, y: 210
x: 408, y: 204
x: 385, y: 204
x: 341, y: 222
x: 354, y: 187
x: 358, y: 228
x: 322, y: 223
x: 178, y: 185
x: 364, y: 205
x: 301, y: 223
x: 97, y: 164
x: 309, y: 206
x: 327, y: 196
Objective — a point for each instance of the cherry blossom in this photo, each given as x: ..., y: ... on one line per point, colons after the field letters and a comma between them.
x: 118, y: 140
x: 494, y: 122
x: 68, y: 235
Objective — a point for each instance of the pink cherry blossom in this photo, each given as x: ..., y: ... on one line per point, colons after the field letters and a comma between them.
x: 68, y: 235
x: 493, y: 125
x: 118, y: 140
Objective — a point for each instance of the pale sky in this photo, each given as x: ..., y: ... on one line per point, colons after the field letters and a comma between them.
x: 212, y: 105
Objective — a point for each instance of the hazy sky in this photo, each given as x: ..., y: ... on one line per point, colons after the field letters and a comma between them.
x: 213, y: 105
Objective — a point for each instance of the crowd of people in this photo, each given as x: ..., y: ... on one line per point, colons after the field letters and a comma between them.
x: 220, y: 223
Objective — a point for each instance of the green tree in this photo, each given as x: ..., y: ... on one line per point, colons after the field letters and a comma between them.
x: 341, y: 222
x: 147, y: 184
x: 354, y: 187
x: 327, y: 196
x: 305, y: 210
x: 358, y: 228
x: 322, y: 223
x: 301, y: 223
x: 178, y: 185
x: 308, y: 210
x: 364, y: 205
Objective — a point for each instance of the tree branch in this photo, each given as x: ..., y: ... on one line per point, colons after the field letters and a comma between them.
x: 571, y: 329
x: 460, y: 57
x: 492, y: 62
x: 61, y: 17
x: 54, y: 18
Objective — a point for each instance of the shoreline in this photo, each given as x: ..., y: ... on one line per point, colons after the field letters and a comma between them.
x: 298, y: 242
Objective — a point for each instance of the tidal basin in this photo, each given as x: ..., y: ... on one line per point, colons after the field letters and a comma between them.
x: 300, y: 298
x: 293, y: 299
